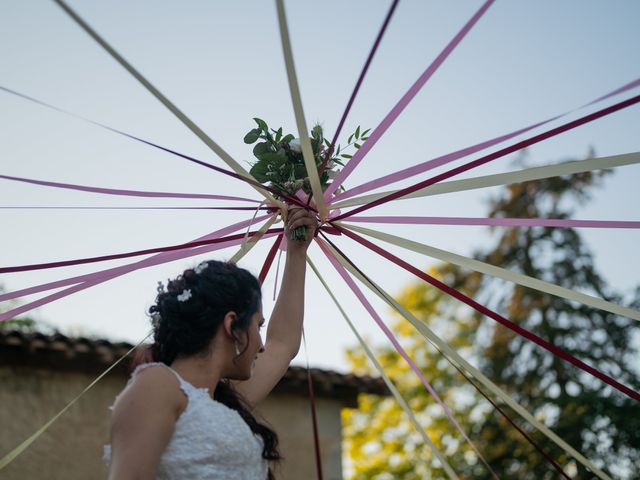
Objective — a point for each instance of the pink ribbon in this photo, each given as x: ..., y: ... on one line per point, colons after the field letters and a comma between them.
x: 450, y: 157
x: 109, y: 273
x: 130, y: 193
x: 501, y: 222
x: 402, y: 104
x: 389, y: 334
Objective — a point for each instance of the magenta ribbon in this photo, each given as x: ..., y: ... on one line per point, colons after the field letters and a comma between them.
x: 450, y: 157
x: 495, y: 316
x: 500, y: 222
x: 129, y: 193
x: 493, y: 156
x: 403, y: 102
x: 104, y: 275
x: 389, y: 334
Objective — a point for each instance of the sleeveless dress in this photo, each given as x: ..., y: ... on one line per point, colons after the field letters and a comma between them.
x: 210, y: 440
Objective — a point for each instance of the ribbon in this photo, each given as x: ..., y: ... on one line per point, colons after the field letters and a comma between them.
x: 41, y: 207
x: 404, y: 101
x: 392, y: 388
x: 450, y: 157
x: 235, y: 166
x: 452, y: 355
x: 518, y: 176
x: 365, y: 303
x: 269, y: 260
x: 495, y: 316
x: 498, y: 272
x: 303, y: 133
x: 493, y: 156
x: 497, y: 222
x: 356, y: 89
x: 182, y: 246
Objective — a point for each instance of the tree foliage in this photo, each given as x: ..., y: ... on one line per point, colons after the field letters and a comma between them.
x: 600, y: 422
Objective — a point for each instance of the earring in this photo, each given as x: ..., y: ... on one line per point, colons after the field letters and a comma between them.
x: 237, y: 349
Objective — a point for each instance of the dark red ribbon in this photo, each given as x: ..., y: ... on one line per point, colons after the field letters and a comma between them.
x: 469, y: 379
x: 182, y: 246
x: 493, y: 156
x: 269, y: 260
x: 497, y: 317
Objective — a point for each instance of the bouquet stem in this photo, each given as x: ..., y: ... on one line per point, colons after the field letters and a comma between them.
x: 299, y: 234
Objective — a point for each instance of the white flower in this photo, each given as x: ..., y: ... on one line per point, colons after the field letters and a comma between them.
x: 184, y: 296
x: 295, y: 145
x: 333, y: 174
x: 201, y: 267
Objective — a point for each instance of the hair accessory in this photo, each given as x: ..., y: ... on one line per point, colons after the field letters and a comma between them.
x: 200, y: 268
x: 184, y: 296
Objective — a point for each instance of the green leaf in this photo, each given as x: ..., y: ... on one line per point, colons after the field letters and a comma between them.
x: 357, y: 145
x: 316, y: 132
x: 262, y: 124
x: 337, y: 161
x: 364, y: 134
x: 262, y: 148
x: 357, y: 132
x: 252, y: 136
x: 288, y: 138
x: 344, y: 155
x: 350, y: 137
x: 300, y: 172
x: 279, y: 134
x: 259, y: 171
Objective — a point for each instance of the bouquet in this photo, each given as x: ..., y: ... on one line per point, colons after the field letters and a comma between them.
x: 280, y: 163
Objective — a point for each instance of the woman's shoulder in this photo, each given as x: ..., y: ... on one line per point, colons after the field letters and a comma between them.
x: 150, y: 384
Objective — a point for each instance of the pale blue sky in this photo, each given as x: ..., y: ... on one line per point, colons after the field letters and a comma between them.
x: 221, y: 63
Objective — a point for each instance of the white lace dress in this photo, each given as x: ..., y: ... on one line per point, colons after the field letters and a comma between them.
x: 210, y: 440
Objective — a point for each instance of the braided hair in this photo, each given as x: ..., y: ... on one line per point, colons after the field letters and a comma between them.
x: 187, y: 315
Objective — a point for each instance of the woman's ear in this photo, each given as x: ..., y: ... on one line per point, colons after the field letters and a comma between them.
x: 228, y: 323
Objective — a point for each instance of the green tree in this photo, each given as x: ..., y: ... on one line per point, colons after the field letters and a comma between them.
x: 600, y: 422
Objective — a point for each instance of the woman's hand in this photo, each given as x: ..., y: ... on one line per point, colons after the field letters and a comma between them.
x: 299, y: 217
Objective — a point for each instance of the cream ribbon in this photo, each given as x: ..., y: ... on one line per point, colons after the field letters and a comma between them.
x: 303, y: 133
x: 370, y: 355
x: 249, y: 243
x: 498, y: 272
x: 235, y: 166
x: 13, y: 454
x: 452, y: 355
x: 524, y: 175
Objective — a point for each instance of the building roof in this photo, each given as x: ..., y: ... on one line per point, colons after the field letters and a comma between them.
x: 60, y: 353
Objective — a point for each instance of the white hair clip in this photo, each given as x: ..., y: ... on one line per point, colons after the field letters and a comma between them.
x: 200, y: 268
x: 184, y: 296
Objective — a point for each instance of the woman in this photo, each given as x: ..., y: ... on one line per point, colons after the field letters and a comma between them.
x: 188, y: 414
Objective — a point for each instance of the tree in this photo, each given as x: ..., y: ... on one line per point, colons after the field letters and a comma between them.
x: 600, y: 422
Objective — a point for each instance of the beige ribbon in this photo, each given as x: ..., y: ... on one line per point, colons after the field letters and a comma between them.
x: 524, y: 175
x: 303, y: 133
x: 13, y: 454
x: 164, y: 100
x: 498, y: 272
x: 249, y: 243
x: 370, y: 355
x: 452, y: 355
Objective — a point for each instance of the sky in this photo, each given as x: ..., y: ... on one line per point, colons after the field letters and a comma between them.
x: 222, y: 64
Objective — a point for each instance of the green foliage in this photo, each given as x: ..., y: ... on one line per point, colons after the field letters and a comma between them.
x: 600, y: 422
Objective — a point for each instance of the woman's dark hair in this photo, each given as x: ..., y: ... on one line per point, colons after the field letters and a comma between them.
x: 187, y: 315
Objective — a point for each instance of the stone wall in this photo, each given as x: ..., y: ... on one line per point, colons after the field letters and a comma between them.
x: 72, y: 448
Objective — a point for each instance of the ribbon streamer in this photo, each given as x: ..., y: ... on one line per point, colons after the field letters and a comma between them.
x: 495, y: 316
x: 349, y: 281
x: 452, y: 355
x: 493, y: 156
x: 497, y: 222
x: 182, y: 246
x: 392, y: 388
x: 303, y: 133
x: 450, y: 157
x: 356, y: 89
x: 344, y: 260
x: 235, y: 166
x: 498, y: 272
x: 404, y: 101
x: 518, y: 176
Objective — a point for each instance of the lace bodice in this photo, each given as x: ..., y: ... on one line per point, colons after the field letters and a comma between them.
x: 210, y: 440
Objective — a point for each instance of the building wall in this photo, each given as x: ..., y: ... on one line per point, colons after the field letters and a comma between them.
x: 72, y: 447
